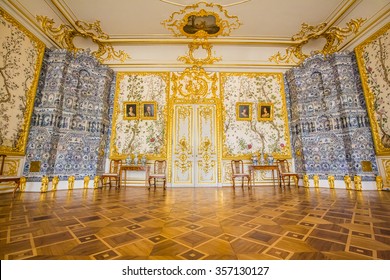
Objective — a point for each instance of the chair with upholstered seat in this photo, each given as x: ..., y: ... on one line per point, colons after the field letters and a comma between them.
x: 159, y: 170
x: 112, y: 177
x: 284, y: 171
x: 238, y: 172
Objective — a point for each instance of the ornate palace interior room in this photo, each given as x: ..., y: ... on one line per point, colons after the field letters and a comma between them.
x: 191, y: 130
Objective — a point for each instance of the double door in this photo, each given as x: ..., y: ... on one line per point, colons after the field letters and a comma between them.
x: 194, y: 151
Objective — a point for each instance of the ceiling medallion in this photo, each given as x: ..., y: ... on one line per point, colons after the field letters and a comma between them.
x: 202, y: 20
x: 65, y: 34
x: 334, y: 36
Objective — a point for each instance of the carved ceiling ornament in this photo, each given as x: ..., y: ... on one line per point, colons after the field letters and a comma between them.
x: 200, y: 22
x: 65, y: 34
x: 334, y: 36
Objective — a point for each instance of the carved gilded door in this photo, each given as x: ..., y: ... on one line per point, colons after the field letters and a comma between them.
x: 194, y: 151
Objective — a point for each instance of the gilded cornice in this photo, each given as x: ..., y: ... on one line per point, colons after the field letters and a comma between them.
x: 64, y: 35
x: 334, y: 36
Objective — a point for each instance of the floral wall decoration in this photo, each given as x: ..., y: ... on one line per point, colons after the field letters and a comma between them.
x: 244, y: 138
x: 373, y: 57
x: 21, y: 55
x: 141, y: 136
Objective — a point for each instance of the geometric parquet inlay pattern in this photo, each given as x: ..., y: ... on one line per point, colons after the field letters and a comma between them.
x: 196, y: 224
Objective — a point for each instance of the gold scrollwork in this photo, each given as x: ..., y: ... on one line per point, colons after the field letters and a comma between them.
x: 386, y: 165
x: 65, y: 34
x: 183, y: 23
x: 334, y: 36
x: 191, y: 59
x: 184, y: 152
x: 206, y: 149
x: 192, y: 85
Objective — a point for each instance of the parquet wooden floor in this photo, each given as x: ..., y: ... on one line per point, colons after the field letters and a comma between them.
x: 196, y: 224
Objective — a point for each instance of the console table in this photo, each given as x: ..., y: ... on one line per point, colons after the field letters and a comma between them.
x: 273, y: 168
x: 125, y: 168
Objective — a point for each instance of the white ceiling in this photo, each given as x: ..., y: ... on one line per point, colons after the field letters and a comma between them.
x: 267, y: 26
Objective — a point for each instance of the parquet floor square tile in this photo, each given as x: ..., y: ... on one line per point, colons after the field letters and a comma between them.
x: 196, y: 224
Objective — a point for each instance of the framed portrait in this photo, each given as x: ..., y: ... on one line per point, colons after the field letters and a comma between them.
x: 265, y: 111
x: 130, y: 110
x: 149, y: 110
x: 243, y: 111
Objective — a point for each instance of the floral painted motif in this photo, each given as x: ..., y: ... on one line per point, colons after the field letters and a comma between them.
x: 140, y: 136
x: 21, y: 56
x: 253, y: 136
x: 374, y: 61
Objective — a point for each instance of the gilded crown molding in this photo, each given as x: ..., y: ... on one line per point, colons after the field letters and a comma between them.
x: 65, y: 34
x: 334, y: 36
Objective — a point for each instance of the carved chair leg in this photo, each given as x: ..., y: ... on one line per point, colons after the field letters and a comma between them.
x: 164, y: 186
x: 234, y: 185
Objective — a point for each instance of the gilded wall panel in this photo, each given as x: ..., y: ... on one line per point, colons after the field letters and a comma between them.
x: 255, y: 134
x: 139, y: 134
x: 21, y: 58
x: 374, y: 66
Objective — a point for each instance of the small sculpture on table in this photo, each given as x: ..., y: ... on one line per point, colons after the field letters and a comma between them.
x: 270, y: 160
x: 135, y: 159
x: 255, y: 160
x: 143, y: 160
x: 128, y: 160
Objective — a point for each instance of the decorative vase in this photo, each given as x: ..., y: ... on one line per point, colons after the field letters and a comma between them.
x: 128, y: 160
x: 254, y: 160
x: 143, y: 160
x: 270, y: 160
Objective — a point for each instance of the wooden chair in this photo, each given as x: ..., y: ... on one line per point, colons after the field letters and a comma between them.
x: 113, y: 175
x: 238, y: 172
x: 159, y: 171
x: 284, y: 171
x: 4, y: 178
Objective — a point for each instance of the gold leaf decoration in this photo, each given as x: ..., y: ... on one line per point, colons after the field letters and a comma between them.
x: 218, y: 22
x: 64, y: 35
x: 334, y: 36
x: 191, y: 59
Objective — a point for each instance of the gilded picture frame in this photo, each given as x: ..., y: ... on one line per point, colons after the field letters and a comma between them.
x: 265, y: 111
x: 148, y: 110
x: 243, y: 111
x: 130, y: 110
x: 371, y: 62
